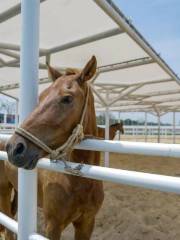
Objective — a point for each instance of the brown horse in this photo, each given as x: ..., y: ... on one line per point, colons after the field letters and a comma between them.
x: 112, y: 130
x: 8, y: 196
x: 64, y: 198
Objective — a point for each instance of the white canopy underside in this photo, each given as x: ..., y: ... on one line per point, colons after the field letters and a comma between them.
x: 130, y: 75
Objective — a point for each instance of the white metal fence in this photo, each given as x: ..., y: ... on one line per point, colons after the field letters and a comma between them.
x: 139, y: 179
x: 6, y: 128
x: 27, y: 203
x: 151, y: 130
x: 144, y: 133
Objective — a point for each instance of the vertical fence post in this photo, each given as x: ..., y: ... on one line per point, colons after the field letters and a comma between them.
x: 146, y: 127
x: 106, y: 154
x: 5, y: 118
x: 17, y: 114
x: 174, y: 127
x: 27, y: 180
x: 119, y: 134
x: 159, y: 127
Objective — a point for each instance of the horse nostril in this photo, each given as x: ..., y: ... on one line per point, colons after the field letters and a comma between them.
x: 20, y: 147
x: 8, y: 145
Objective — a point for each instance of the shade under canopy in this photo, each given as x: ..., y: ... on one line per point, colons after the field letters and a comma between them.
x: 130, y: 77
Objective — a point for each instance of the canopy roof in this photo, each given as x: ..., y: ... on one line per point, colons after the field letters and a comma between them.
x: 131, y: 76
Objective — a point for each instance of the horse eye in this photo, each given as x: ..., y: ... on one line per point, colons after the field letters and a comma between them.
x: 66, y: 99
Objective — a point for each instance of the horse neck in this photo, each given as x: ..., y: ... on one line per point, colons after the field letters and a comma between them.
x: 120, y: 128
x: 112, y: 132
x: 90, y: 129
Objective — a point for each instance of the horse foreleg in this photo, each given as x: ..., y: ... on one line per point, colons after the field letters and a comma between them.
x: 53, y: 231
x: 14, y: 203
x: 84, y: 227
x: 5, y: 206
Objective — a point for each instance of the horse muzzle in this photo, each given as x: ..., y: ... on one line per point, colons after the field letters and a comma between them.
x: 21, y: 155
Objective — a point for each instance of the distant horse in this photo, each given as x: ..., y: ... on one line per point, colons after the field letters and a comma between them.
x: 64, y: 107
x: 112, y: 130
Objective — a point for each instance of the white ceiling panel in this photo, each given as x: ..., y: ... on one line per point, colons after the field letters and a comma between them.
x: 131, y: 75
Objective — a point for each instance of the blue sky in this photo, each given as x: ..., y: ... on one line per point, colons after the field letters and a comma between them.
x: 159, y: 22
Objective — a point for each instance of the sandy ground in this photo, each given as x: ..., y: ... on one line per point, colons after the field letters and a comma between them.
x: 131, y: 213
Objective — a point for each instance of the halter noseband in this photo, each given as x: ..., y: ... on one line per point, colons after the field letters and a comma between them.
x: 62, y: 151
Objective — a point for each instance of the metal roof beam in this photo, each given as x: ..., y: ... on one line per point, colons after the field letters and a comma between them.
x: 12, y: 55
x: 147, y: 109
x: 103, y: 89
x: 7, y: 95
x: 12, y: 12
x: 157, y: 81
x: 160, y: 93
x: 126, y: 64
x: 10, y: 63
x: 103, y: 102
x: 135, y: 84
x: 122, y: 65
x: 10, y: 46
x: 15, y: 64
x: 169, y: 100
x: 126, y: 93
x: 46, y: 80
x: 9, y: 53
x: 110, y: 85
x: 155, y: 103
x: 124, y: 104
x: 15, y: 47
x: 2, y: 62
x: 114, y: 92
x: 85, y: 40
x: 16, y: 85
x: 9, y: 87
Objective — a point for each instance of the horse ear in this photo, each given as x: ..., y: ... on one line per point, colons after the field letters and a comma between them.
x: 53, y: 74
x: 88, y: 71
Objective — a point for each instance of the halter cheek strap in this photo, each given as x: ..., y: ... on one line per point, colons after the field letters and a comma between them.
x: 76, y: 136
x: 65, y: 149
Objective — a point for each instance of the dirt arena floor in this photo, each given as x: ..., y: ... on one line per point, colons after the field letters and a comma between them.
x: 131, y: 213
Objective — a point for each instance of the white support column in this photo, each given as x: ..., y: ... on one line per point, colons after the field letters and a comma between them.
x: 135, y: 131
x: 146, y: 127
x: 119, y: 122
x: 159, y: 127
x: 17, y: 114
x: 106, y: 154
x: 5, y: 118
x: 27, y: 180
x: 174, y: 127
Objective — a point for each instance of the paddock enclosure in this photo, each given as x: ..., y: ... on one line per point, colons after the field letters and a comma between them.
x: 130, y: 76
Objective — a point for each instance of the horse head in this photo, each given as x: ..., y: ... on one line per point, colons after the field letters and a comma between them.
x: 58, y: 112
x: 118, y: 127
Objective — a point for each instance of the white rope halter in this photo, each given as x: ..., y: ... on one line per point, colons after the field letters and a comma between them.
x: 65, y: 149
